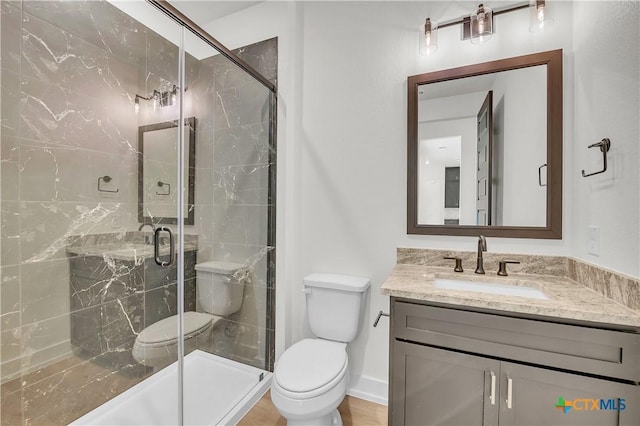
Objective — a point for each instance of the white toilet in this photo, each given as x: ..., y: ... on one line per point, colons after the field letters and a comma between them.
x: 311, y: 377
x: 220, y: 289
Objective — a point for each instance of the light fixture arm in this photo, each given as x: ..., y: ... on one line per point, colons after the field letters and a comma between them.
x: 465, y: 21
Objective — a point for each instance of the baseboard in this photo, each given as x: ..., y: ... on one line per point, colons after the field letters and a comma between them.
x: 370, y: 389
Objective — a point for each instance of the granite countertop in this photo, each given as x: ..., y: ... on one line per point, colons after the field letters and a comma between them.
x: 568, y: 299
x: 127, y: 251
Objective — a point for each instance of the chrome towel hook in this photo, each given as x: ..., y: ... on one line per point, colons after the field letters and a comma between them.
x: 604, y: 145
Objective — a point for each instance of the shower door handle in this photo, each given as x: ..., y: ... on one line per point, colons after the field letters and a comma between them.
x: 156, y: 247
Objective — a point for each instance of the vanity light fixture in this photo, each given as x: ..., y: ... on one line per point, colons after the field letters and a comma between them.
x: 158, y: 98
x: 478, y: 26
x: 540, y: 17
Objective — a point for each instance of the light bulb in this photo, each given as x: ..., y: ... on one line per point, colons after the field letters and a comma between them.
x: 136, y: 105
x: 428, y: 37
x: 540, y: 17
x: 174, y: 98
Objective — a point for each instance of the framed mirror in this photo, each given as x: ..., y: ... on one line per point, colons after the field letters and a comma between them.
x: 484, y: 149
x: 158, y: 172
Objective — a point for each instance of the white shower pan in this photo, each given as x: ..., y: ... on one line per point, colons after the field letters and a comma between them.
x: 217, y: 391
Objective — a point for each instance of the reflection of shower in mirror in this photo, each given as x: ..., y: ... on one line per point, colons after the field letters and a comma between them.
x: 158, y: 172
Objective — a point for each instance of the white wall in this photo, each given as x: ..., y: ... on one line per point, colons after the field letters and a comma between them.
x: 353, y: 168
x: 342, y: 142
x: 607, y: 102
x: 524, y: 130
x: 448, y: 107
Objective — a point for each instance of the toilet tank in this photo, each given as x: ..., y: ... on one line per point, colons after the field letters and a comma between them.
x: 335, y: 305
x: 220, y: 286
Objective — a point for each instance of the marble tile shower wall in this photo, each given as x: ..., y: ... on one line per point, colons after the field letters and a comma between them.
x: 67, y: 97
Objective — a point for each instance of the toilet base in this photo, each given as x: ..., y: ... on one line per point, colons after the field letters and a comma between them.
x: 319, y: 410
x: 331, y: 419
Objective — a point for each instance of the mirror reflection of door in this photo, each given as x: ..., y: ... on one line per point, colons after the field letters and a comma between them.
x: 485, y: 151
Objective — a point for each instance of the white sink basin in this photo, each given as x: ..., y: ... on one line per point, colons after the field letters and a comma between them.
x: 491, y: 288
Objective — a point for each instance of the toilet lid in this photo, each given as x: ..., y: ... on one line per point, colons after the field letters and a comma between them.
x: 310, y: 364
x: 166, y: 329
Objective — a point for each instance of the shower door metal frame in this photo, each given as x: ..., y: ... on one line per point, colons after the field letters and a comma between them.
x: 182, y: 19
x: 186, y: 22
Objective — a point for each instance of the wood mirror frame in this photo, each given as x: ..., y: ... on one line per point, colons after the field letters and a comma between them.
x: 553, y: 229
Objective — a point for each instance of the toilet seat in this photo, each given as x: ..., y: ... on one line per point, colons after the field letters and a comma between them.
x: 165, y: 331
x: 157, y: 345
x: 310, y: 368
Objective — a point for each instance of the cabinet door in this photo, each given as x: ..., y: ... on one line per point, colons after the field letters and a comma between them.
x: 535, y: 394
x: 438, y: 387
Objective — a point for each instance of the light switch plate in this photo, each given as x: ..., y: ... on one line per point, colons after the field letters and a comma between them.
x: 593, y: 240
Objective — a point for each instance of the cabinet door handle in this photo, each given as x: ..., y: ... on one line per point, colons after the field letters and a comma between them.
x: 492, y: 397
x: 509, y: 393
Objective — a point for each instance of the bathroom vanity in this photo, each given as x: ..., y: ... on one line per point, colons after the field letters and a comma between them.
x: 480, y: 355
x: 117, y: 290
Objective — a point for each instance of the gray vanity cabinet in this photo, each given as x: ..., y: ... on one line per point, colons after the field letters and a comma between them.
x: 442, y: 387
x: 456, y: 367
x: 533, y: 389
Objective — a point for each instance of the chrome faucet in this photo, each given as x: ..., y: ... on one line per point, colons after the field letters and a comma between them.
x: 482, y: 246
x: 147, y: 239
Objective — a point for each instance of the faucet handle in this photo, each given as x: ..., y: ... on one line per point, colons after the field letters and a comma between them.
x: 502, y: 267
x: 458, y: 267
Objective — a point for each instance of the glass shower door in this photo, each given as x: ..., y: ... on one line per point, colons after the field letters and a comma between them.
x: 234, y: 172
x: 136, y: 158
x: 90, y: 145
